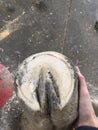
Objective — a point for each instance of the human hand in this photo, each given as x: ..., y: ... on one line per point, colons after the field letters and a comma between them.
x: 87, y: 115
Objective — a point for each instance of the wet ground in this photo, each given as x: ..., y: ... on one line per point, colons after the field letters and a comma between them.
x: 66, y: 26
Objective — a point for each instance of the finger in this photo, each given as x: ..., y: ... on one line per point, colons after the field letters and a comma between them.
x: 81, y: 77
x: 85, y: 101
x: 82, y: 84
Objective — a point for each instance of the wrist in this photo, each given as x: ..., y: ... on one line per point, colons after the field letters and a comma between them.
x: 90, y: 122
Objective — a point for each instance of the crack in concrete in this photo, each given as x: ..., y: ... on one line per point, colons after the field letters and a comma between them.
x: 67, y: 16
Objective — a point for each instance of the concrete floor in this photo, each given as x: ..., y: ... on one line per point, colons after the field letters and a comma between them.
x: 66, y: 26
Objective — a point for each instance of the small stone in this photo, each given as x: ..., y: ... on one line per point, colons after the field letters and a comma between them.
x: 9, y: 16
x: 23, y: 12
x: 47, y: 36
x: 32, y: 8
x: 81, y: 12
x: 75, y: 9
x: 77, y: 51
x: 32, y: 35
x: 80, y: 46
x: 51, y: 13
x: 39, y: 42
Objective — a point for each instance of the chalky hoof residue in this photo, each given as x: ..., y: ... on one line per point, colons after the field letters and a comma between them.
x: 47, y: 88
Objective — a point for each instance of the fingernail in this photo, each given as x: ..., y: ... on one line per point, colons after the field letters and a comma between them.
x: 77, y: 68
